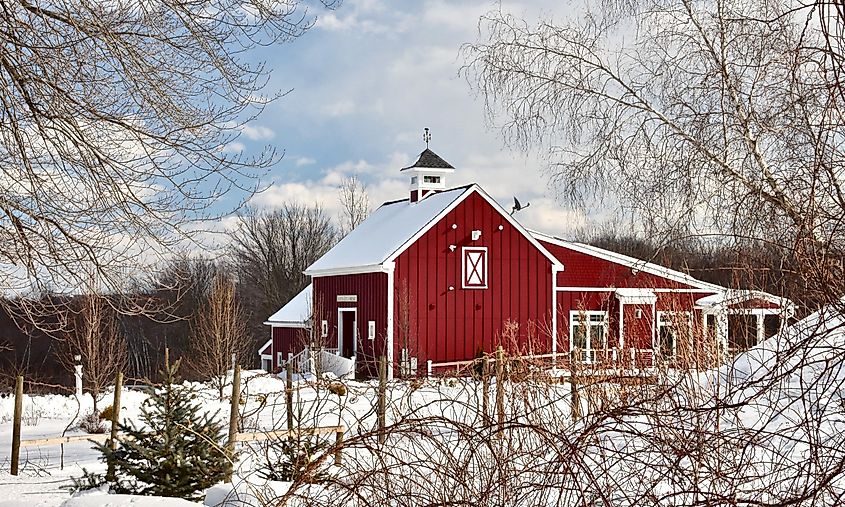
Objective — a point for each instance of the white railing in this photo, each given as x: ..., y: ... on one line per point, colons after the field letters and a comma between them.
x: 629, y: 360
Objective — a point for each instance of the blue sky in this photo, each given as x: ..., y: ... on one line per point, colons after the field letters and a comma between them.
x: 365, y: 81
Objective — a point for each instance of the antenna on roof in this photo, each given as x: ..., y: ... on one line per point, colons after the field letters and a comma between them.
x: 426, y: 137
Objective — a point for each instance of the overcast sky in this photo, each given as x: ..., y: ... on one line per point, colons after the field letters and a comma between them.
x: 364, y: 83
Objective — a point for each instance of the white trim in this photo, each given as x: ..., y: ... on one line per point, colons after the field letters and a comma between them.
x: 574, y: 319
x: 659, y: 315
x: 268, y: 343
x: 621, y: 323
x: 555, y: 271
x: 631, y: 262
x: 454, y: 204
x: 298, y: 325
x: 614, y: 289
x: 484, y: 259
x: 391, y: 269
x: 340, y: 312
x: 350, y: 270
x: 636, y: 296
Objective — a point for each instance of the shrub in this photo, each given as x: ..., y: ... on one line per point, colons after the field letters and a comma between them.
x: 91, y: 423
x: 107, y: 413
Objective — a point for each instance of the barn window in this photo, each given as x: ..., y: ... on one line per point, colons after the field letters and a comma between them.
x: 670, y: 329
x: 474, y: 267
x: 431, y: 179
x: 588, y: 334
x: 325, y: 329
x: 371, y: 330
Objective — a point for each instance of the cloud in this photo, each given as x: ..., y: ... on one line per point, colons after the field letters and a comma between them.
x: 258, y: 132
x: 303, y: 161
x: 344, y: 107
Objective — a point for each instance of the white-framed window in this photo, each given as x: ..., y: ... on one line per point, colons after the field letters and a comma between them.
x: 431, y: 179
x: 670, y: 326
x: 588, y: 332
x: 280, y: 358
x: 324, y: 331
x: 371, y: 330
x: 474, y: 267
x: 413, y: 180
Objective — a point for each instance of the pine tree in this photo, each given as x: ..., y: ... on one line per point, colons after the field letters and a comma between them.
x: 176, y: 452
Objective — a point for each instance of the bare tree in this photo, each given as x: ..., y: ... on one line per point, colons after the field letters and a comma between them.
x: 117, y: 122
x: 219, y: 335
x: 714, y: 117
x: 98, y: 341
x: 270, y: 251
x: 354, y: 203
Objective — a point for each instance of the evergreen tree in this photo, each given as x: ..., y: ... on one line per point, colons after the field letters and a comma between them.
x: 176, y: 452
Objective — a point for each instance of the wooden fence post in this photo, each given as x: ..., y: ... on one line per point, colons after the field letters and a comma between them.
x: 500, y: 388
x: 115, y: 419
x: 233, y: 421
x: 16, y: 428
x: 485, y: 389
x: 338, y: 453
x: 382, y: 405
x: 289, y: 397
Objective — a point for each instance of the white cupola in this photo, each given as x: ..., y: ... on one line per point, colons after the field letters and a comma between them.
x: 428, y: 173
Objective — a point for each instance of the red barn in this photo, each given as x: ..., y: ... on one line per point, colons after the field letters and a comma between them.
x: 448, y: 274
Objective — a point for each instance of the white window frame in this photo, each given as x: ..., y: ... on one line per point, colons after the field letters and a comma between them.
x: 371, y: 330
x: 433, y: 180
x: 575, y: 322
x: 280, y: 358
x: 485, y: 261
x: 668, y: 319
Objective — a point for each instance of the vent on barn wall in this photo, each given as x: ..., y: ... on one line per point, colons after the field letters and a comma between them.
x: 428, y: 173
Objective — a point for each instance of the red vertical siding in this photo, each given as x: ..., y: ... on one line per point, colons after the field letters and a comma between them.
x: 287, y: 340
x: 453, y: 325
x: 371, y: 290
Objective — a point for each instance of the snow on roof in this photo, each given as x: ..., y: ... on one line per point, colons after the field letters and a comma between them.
x: 618, y: 258
x: 297, y: 310
x: 635, y: 295
x: 266, y: 349
x: 384, y: 232
x: 735, y: 296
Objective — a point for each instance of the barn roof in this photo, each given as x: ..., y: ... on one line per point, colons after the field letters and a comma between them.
x: 385, y: 231
x: 429, y: 160
x: 296, y: 311
x: 632, y: 262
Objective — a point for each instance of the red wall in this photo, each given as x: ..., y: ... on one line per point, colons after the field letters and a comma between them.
x: 454, y: 325
x: 582, y: 270
x: 287, y: 340
x: 371, y: 289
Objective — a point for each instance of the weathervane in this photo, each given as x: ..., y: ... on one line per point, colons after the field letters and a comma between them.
x: 426, y: 137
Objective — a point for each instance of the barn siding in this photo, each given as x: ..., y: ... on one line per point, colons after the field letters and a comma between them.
x: 371, y: 289
x: 287, y: 340
x: 454, y: 325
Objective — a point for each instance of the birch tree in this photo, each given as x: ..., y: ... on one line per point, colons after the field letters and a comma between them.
x: 720, y: 117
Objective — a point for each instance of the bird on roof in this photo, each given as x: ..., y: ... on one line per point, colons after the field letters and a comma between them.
x: 517, y: 206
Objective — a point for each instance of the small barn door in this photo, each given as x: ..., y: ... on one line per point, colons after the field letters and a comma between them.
x: 348, y: 326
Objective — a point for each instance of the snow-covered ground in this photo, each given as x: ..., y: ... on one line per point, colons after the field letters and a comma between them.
x: 765, y: 428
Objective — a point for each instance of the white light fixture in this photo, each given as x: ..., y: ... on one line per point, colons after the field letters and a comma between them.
x: 454, y: 226
x: 501, y: 227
